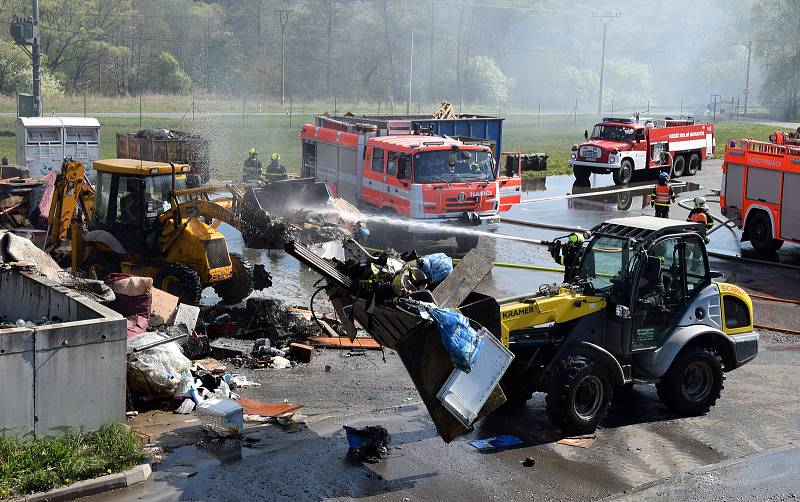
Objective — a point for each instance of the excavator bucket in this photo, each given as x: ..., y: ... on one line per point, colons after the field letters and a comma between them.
x: 266, y: 210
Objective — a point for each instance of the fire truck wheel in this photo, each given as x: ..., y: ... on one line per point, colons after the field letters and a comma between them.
x: 678, y: 166
x: 581, y: 172
x: 623, y: 175
x: 465, y: 243
x: 693, y: 165
x: 759, y: 229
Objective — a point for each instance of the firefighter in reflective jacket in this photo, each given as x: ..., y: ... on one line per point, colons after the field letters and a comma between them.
x: 568, y: 254
x: 275, y: 169
x: 252, y: 167
x: 663, y: 196
x: 700, y: 213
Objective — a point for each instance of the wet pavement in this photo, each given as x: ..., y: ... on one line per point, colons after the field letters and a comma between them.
x: 640, y: 441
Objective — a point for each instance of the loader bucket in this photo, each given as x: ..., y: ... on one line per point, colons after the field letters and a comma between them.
x: 265, y: 209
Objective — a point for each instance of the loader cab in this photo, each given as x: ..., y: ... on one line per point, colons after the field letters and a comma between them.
x: 130, y: 195
x: 650, y: 271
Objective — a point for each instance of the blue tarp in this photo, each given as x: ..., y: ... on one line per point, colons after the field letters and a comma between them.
x: 438, y: 266
x: 463, y: 343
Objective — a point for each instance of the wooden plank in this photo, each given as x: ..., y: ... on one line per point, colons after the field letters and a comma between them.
x: 466, y: 276
x: 342, y: 342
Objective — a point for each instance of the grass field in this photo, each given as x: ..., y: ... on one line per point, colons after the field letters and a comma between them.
x: 233, y: 135
x: 50, y: 462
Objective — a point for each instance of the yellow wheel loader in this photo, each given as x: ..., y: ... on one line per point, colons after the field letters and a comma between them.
x: 639, y: 305
x: 141, y: 219
x: 640, y: 308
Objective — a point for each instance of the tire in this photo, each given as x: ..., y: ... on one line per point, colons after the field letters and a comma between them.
x: 678, y: 166
x: 518, y: 387
x: 99, y: 265
x: 581, y: 172
x: 578, y: 396
x: 759, y: 230
x: 693, y: 383
x: 238, y: 287
x: 623, y: 175
x: 180, y: 280
x: 465, y: 242
x: 624, y: 201
x: 693, y: 165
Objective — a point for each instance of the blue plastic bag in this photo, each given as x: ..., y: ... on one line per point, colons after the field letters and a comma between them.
x: 462, y: 343
x: 438, y: 266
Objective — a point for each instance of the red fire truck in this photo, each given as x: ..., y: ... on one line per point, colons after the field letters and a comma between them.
x: 761, y: 192
x: 622, y: 146
x: 396, y: 168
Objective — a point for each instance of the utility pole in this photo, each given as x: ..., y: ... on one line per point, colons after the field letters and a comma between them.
x: 410, y: 75
x: 27, y: 33
x: 605, y: 18
x: 749, y: 45
x: 283, y: 18
x: 37, y: 62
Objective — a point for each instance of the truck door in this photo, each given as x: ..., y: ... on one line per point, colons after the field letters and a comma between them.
x: 660, y: 294
x: 790, y: 207
x: 374, y: 176
x: 509, y: 182
x: 398, y: 169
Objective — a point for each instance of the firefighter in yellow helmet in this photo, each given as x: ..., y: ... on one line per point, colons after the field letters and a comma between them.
x: 275, y: 169
x: 568, y: 254
x: 252, y: 167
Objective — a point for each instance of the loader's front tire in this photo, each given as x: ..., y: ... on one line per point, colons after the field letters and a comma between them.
x: 238, y: 287
x: 579, y: 394
x: 693, y: 383
x: 179, y: 280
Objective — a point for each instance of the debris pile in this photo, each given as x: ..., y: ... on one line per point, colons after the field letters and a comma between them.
x: 25, y: 201
x: 368, y: 444
x: 428, y: 312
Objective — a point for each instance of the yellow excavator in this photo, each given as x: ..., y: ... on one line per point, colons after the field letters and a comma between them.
x: 141, y: 219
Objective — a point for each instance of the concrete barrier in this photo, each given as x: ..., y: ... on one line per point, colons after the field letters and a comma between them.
x: 69, y: 373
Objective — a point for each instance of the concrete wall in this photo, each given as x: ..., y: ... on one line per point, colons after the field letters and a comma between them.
x: 60, y: 375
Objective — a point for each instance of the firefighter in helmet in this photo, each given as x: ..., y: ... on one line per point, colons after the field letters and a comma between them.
x: 252, y: 167
x: 275, y: 169
x: 700, y: 213
x: 568, y: 254
x: 663, y: 196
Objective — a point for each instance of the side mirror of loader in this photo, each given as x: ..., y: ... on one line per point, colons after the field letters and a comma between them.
x: 585, y: 134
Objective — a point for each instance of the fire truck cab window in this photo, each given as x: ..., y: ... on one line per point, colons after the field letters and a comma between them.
x: 399, y: 165
x: 448, y: 166
x: 377, y: 160
x: 614, y: 133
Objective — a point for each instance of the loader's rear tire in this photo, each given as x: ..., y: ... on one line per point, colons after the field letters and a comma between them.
x: 238, y: 287
x: 623, y: 175
x: 578, y: 396
x: 693, y: 383
x: 99, y: 265
x: 180, y: 280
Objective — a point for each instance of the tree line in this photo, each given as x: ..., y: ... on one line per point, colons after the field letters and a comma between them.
x: 490, y: 51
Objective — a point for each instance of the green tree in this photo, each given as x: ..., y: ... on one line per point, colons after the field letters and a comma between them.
x: 16, y: 73
x: 485, y: 82
x: 776, y: 44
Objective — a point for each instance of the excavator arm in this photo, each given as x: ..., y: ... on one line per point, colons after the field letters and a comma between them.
x: 73, y: 199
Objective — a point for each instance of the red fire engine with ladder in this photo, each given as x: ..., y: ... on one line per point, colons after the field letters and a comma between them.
x: 623, y: 146
x: 760, y: 190
x: 393, y: 168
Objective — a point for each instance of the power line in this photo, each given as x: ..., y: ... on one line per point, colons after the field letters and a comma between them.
x: 526, y: 9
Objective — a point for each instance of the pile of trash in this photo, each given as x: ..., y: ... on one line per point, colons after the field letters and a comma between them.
x: 445, y: 333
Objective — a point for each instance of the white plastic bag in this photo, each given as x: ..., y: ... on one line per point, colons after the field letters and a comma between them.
x: 161, y: 371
